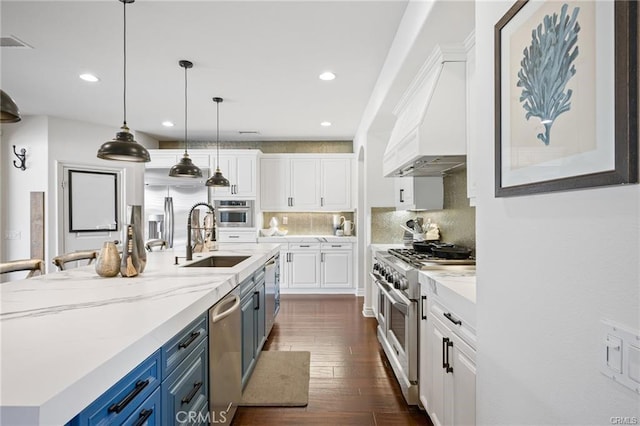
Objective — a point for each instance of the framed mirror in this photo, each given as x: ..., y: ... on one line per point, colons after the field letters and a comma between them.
x: 93, y: 201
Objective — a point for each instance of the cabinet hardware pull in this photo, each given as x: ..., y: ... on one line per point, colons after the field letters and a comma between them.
x: 424, y: 311
x: 194, y: 335
x: 452, y: 319
x: 321, y: 201
x: 257, y: 307
x: 304, y: 245
x: 143, y: 416
x: 234, y: 236
x: 321, y: 257
x: 449, y: 368
x: 336, y: 245
x: 117, y: 408
x: 402, y: 195
x: 292, y: 201
x: 196, y: 387
x: 444, y: 352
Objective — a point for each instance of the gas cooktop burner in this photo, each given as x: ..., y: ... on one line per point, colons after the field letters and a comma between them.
x: 422, y: 260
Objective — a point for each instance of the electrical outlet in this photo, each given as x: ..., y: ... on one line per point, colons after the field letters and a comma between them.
x: 12, y: 235
x: 285, y: 220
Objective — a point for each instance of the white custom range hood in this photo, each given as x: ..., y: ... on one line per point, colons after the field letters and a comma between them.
x: 429, y: 137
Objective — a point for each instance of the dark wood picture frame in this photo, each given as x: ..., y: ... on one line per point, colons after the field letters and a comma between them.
x: 625, y: 116
x: 91, y: 208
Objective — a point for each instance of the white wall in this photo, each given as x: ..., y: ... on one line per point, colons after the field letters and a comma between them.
x: 31, y: 134
x: 550, y: 267
x: 50, y: 141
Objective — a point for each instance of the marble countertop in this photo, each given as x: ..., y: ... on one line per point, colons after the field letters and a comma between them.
x: 455, y: 288
x: 308, y: 239
x: 68, y: 336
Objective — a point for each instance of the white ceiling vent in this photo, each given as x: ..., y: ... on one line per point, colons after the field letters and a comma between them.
x: 13, y: 41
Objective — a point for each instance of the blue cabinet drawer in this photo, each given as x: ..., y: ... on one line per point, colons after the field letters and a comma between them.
x: 185, y: 390
x: 246, y: 286
x: 148, y: 413
x: 180, y: 346
x: 122, y: 399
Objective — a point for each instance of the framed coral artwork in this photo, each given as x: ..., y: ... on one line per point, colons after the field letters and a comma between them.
x: 566, y: 96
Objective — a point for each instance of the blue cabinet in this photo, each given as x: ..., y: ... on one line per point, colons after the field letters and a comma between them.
x: 252, y: 291
x: 180, y: 346
x: 124, y: 398
x: 148, y: 413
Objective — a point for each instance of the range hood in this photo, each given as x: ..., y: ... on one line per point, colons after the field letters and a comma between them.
x: 429, y: 137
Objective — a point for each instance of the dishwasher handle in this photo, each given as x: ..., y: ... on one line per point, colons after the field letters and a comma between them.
x: 217, y: 316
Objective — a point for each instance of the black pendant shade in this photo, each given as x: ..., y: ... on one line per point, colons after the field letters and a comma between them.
x: 218, y: 179
x: 123, y: 147
x: 185, y: 167
x: 8, y: 109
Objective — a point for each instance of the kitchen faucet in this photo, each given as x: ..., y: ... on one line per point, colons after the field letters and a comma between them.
x: 213, y: 231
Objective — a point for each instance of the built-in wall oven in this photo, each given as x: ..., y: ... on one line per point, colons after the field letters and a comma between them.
x: 234, y: 213
x: 398, y: 319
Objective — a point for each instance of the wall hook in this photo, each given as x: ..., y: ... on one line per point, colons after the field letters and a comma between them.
x: 22, y: 157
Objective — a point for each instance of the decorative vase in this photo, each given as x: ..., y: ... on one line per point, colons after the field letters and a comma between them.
x: 108, y: 262
x: 136, y: 221
x: 130, y: 264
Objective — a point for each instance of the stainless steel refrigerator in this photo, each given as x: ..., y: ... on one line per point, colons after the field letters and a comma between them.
x: 167, y: 201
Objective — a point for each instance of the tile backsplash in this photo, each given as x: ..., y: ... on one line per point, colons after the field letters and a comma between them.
x: 457, y: 220
x: 305, y: 223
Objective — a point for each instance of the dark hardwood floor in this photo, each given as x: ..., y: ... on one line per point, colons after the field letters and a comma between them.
x: 351, y: 381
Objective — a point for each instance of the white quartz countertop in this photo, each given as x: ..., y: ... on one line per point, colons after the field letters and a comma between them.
x: 67, y: 337
x: 308, y: 239
x: 455, y: 288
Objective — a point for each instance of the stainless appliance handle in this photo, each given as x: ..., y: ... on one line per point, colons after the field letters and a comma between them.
x: 216, y: 316
x: 234, y: 209
x: 402, y: 305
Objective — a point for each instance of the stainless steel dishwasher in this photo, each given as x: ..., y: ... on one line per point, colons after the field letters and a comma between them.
x: 225, y: 362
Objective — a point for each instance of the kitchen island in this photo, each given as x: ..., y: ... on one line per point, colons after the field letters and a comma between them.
x: 67, y: 337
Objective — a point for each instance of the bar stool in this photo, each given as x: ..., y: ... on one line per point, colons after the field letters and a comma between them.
x: 75, y: 256
x: 34, y: 266
x: 156, y: 243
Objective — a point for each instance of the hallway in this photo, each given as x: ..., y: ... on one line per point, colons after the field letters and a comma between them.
x: 351, y: 381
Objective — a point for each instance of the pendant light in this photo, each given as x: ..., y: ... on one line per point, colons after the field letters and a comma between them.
x: 9, y: 112
x: 217, y: 179
x: 123, y: 147
x: 185, y: 167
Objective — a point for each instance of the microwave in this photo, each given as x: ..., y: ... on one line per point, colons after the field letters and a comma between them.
x: 234, y: 213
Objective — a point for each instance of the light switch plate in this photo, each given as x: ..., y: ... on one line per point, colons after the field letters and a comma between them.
x: 620, y: 359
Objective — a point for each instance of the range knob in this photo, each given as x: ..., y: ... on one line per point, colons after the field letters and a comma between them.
x: 376, y: 266
x: 403, y: 284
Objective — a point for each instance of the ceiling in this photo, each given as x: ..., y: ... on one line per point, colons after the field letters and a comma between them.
x: 262, y: 57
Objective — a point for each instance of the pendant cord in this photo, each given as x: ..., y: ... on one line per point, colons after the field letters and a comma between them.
x: 185, y: 111
x: 218, y: 133
x: 124, y: 96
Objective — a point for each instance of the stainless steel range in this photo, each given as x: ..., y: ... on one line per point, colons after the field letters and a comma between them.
x: 395, y: 273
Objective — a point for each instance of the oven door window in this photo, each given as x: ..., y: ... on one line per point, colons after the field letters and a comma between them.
x: 397, y: 325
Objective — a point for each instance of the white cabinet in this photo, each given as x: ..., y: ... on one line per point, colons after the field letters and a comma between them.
x: 305, y: 182
x: 304, y: 265
x: 167, y: 158
x: 240, y: 167
x: 336, y: 265
x: 419, y: 193
x: 451, y: 387
x: 335, y: 184
x: 317, y: 267
x: 230, y: 235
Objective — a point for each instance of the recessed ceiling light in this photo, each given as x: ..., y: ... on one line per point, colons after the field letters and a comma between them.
x: 325, y: 124
x: 89, y: 77
x: 327, y: 76
x: 167, y: 124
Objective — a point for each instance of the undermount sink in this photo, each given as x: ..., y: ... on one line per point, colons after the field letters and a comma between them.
x: 218, y: 262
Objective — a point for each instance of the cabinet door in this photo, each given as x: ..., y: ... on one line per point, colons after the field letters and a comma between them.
x: 162, y: 160
x: 228, y: 169
x: 260, y: 312
x: 148, y: 413
x: 245, y: 177
x: 436, y: 388
x: 305, y: 184
x: 284, y: 268
x: 274, y: 184
x: 248, y: 336
x: 335, y: 175
x: 462, y: 360
x: 304, y: 269
x: 404, y: 192
x: 425, y: 350
x: 337, y: 269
